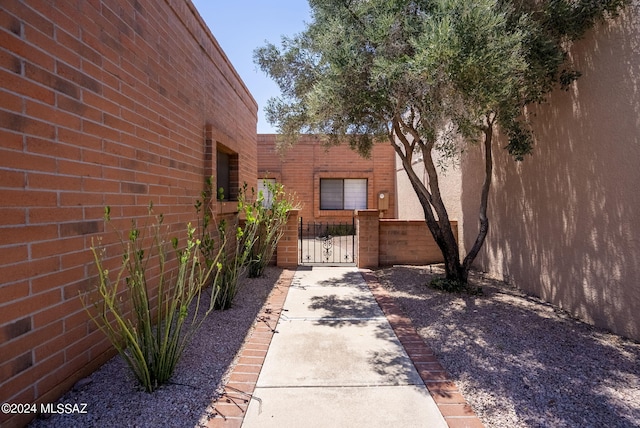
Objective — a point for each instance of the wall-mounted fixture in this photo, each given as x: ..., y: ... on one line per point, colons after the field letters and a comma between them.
x: 383, y: 201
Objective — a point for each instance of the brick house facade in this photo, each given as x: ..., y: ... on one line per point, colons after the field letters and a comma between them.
x: 309, y: 165
x: 102, y: 102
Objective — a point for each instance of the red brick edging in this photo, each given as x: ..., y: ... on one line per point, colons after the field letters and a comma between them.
x: 453, y: 406
x: 229, y: 409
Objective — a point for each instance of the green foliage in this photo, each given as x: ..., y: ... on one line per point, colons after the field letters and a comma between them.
x: 339, y: 230
x: 269, y: 213
x: 208, y: 247
x: 231, y: 251
x: 360, y: 66
x: 238, y: 240
x: 431, y: 77
x: 151, y: 338
x: 233, y: 260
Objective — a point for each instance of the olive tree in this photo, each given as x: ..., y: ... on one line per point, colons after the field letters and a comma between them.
x: 432, y: 78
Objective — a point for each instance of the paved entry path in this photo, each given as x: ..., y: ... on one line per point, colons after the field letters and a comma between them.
x: 335, y: 361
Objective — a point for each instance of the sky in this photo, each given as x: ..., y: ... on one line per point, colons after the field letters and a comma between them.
x: 241, y: 26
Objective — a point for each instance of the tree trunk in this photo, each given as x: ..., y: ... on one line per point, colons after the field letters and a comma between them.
x: 431, y: 201
x: 484, y: 197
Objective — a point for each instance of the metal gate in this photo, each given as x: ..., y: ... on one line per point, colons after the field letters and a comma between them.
x: 327, y: 242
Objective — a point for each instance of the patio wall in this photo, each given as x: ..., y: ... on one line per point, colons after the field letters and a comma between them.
x: 409, y: 242
x: 385, y: 242
x: 380, y: 242
x: 101, y: 103
x: 287, y: 252
x: 565, y: 222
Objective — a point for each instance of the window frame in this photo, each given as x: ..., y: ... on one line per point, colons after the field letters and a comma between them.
x: 323, y: 202
x: 227, y: 174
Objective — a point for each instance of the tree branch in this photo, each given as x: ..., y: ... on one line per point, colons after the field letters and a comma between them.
x: 484, y: 197
x: 424, y: 196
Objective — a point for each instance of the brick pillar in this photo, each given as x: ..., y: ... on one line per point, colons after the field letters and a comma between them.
x: 368, y: 233
x: 287, y: 249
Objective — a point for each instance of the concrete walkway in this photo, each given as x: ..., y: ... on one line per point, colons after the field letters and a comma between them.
x: 332, y: 348
x: 335, y: 361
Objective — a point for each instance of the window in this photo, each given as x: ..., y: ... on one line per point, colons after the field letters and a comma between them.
x: 343, y: 193
x: 226, y: 175
x: 265, y: 185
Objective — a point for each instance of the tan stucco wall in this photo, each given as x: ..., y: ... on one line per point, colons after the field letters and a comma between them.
x: 565, y: 223
x: 450, y: 181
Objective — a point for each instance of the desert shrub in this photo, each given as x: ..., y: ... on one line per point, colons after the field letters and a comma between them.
x: 270, y: 214
x: 151, y: 337
x: 233, y: 248
x: 233, y: 259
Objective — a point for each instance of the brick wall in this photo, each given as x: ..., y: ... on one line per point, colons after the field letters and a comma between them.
x: 368, y: 238
x: 287, y: 249
x: 101, y: 103
x: 301, y: 168
x: 386, y: 242
x: 409, y: 242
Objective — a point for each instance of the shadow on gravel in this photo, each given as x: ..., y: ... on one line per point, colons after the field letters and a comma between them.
x: 520, y: 361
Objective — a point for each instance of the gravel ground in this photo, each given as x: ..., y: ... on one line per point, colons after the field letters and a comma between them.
x: 518, y: 361
x: 521, y: 362
x: 114, y: 398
